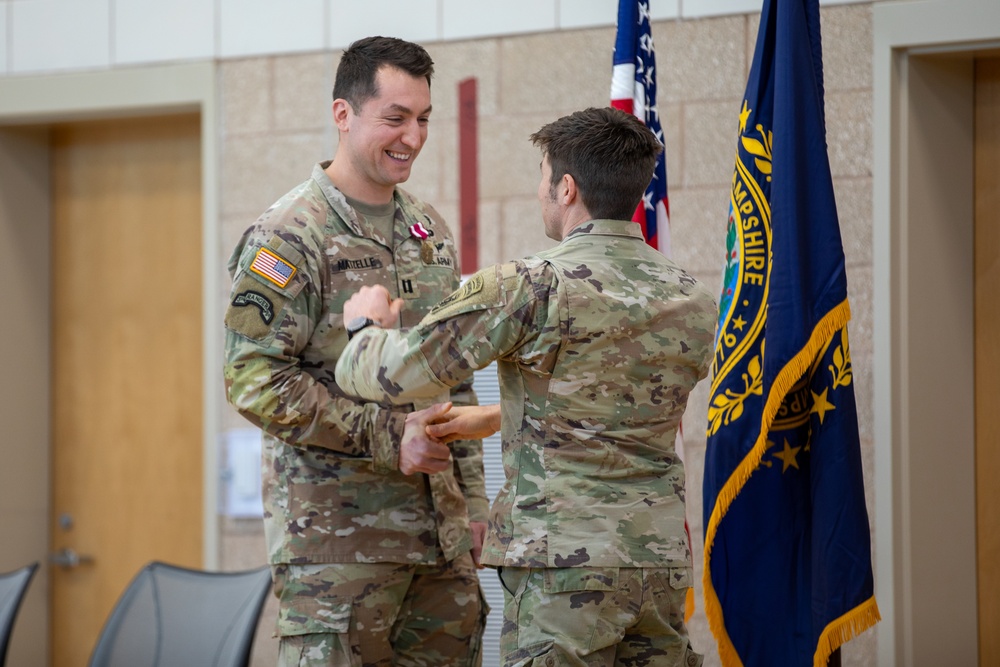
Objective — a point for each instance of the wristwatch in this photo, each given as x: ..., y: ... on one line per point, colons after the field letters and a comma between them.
x: 357, y: 324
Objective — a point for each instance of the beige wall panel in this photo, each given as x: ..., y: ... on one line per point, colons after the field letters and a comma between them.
x: 302, y: 96
x: 849, y: 133
x: 444, y: 133
x: 709, y: 144
x: 259, y: 168
x: 854, y: 208
x: 672, y: 124
x: 543, y: 74
x: 246, y: 90
x: 508, y: 162
x: 703, y: 59
x: 457, y: 61
x: 698, y: 221
x: 490, y: 233
x: 847, y: 52
x: 859, y: 292
x: 863, y: 392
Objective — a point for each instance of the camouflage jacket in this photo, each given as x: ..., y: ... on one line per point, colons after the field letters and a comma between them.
x: 332, y: 488
x: 599, y: 342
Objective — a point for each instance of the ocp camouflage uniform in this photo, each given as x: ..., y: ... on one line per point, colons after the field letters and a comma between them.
x: 599, y: 342
x: 332, y: 489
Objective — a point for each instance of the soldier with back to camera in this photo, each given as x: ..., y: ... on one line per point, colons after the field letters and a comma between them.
x: 598, y: 342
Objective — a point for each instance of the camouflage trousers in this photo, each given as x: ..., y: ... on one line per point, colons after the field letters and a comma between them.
x: 380, y: 614
x: 595, y: 617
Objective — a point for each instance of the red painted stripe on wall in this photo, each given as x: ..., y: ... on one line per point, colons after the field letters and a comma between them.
x: 468, y: 174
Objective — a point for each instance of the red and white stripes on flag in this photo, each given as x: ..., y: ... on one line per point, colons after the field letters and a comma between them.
x: 633, y: 90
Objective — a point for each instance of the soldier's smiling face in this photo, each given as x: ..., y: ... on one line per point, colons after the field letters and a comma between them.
x: 383, y: 138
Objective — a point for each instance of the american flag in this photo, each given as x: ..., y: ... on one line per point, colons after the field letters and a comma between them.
x: 633, y: 90
x: 272, y: 267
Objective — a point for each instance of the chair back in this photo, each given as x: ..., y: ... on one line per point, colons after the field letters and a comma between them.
x: 172, y: 616
x: 13, y: 585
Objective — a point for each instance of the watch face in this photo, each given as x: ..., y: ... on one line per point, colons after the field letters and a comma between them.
x: 358, y: 323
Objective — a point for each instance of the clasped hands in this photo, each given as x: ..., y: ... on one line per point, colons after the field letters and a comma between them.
x: 424, y: 449
x: 426, y: 432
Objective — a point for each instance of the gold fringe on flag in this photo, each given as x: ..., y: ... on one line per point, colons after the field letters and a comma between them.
x: 844, y: 629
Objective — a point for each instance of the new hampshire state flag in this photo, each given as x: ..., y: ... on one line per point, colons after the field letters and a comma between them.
x: 788, y: 575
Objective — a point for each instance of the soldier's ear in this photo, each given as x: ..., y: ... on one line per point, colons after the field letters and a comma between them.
x: 342, y: 113
x: 568, y: 192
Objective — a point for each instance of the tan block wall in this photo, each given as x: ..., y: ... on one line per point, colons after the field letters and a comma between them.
x: 275, y: 124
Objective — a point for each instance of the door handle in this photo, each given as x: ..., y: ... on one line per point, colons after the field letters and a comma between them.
x: 68, y: 559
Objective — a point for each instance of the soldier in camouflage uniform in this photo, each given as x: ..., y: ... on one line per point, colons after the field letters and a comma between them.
x: 371, y: 567
x: 599, y: 342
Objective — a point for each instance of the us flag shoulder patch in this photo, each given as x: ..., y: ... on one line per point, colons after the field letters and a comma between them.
x: 271, y: 266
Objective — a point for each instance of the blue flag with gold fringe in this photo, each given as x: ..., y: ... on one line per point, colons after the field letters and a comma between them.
x: 788, y: 575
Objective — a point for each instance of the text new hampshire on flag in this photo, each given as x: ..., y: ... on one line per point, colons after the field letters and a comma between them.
x: 788, y: 574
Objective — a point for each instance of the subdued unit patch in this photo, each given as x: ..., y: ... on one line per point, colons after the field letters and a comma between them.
x: 475, y: 293
x: 251, y: 313
x: 252, y: 298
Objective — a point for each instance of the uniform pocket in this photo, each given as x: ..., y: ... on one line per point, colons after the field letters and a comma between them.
x: 677, y: 578
x: 574, y: 579
x: 315, y: 633
x: 314, y: 616
x: 512, y: 579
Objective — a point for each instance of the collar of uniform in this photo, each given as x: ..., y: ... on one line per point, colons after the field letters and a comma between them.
x: 338, y: 201
x: 606, y: 228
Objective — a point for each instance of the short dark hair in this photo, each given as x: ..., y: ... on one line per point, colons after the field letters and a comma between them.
x: 362, y: 60
x: 609, y: 153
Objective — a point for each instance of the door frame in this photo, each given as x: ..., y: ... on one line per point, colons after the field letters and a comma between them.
x: 33, y: 102
x: 923, y: 84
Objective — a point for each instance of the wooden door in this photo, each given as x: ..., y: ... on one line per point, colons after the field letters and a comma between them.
x: 987, y: 286
x: 126, y: 354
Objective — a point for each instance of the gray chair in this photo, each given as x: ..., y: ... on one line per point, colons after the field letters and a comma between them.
x: 12, y: 588
x: 172, y: 616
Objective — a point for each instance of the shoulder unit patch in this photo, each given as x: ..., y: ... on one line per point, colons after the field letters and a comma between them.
x: 252, y: 298
x: 480, y: 291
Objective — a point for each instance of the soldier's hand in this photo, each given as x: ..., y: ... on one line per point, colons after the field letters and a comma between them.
x: 465, y: 422
x: 374, y: 301
x: 418, y: 452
